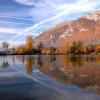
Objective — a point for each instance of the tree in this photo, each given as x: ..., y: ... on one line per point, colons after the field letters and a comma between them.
x: 13, y: 50
x: 53, y: 50
x: 68, y: 47
x: 97, y: 48
x: 29, y: 43
x: 5, y: 46
x: 73, y: 48
x: 76, y: 48
x: 40, y: 46
x: 79, y: 47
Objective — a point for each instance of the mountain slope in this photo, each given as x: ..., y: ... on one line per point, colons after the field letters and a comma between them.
x: 86, y: 29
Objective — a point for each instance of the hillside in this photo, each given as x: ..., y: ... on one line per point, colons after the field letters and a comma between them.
x: 85, y: 29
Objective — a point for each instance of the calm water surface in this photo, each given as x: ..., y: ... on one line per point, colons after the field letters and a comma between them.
x: 50, y: 77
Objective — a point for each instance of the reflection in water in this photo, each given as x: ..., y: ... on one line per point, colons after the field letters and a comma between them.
x: 29, y: 65
x: 76, y: 61
x: 83, y: 71
x: 13, y: 59
x: 54, y: 65
x: 23, y: 58
x: 39, y: 60
x: 5, y: 63
x: 52, y: 58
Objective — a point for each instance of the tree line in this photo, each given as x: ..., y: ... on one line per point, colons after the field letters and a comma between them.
x: 75, y: 47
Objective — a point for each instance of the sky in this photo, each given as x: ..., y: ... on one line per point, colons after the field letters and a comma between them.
x: 19, y: 18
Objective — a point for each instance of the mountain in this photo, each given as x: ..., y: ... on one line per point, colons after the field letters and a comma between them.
x: 85, y: 29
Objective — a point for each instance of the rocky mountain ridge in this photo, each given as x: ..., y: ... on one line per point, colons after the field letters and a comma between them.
x: 85, y: 29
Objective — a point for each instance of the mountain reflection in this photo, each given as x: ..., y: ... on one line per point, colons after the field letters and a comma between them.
x: 82, y: 71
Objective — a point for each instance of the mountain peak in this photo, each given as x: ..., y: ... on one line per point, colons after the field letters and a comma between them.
x: 93, y: 16
x: 97, y: 12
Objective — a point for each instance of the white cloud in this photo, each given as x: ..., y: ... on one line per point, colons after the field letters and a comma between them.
x: 25, y: 2
x: 5, y: 30
x: 19, y: 23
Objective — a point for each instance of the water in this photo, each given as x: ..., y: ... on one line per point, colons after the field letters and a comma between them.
x: 50, y: 77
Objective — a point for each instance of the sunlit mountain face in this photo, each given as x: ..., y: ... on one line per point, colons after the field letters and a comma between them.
x: 85, y: 29
x: 19, y: 18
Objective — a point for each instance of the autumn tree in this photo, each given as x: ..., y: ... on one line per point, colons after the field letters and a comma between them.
x: 73, y: 48
x: 67, y: 47
x: 97, y: 49
x: 40, y: 46
x: 79, y: 47
x: 29, y: 44
x: 53, y: 50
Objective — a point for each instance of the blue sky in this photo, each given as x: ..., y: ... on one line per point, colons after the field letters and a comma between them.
x: 19, y: 18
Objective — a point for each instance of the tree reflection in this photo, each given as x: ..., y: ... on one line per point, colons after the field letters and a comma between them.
x: 5, y: 63
x: 52, y: 58
x: 54, y: 65
x: 13, y: 59
x: 39, y: 60
x: 23, y: 58
x: 76, y: 61
x: 29, y: 64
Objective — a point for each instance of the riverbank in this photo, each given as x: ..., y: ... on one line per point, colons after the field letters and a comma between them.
x: 56, y: 54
